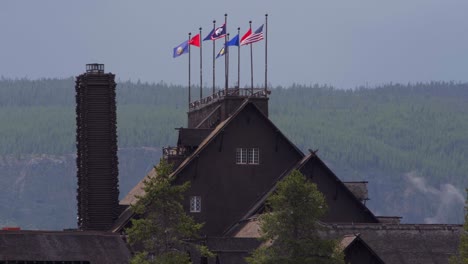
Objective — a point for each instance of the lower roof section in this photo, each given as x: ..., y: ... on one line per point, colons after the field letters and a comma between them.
x: 393, y: 243
x: 52, y: 246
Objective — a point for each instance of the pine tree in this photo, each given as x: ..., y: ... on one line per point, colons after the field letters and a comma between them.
x: 163, y: 232
x: 462, y: 258
x: 290, y: 228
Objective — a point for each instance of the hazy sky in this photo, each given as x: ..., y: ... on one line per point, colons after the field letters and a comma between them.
x: 342, y: 43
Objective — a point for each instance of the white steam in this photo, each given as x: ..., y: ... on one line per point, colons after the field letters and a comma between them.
x: 446, y: 199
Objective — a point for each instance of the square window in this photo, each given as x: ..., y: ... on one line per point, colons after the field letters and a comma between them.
x: 195, y: 204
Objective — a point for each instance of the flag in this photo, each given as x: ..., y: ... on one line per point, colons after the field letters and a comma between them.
x: 248, y: 33
x: 256, y: 36
x: 222, y: 51
x: 181, y: 49
x: 218, y: 32
x: 195, y: 41
x: 233, y: 42
x: 208, y: 37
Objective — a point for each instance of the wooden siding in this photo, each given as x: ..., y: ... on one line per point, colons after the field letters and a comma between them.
x: 343, y: 206
x: 228, y: 190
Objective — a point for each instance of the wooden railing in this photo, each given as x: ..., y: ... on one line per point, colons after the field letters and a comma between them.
x: 234, y: 92
x: 174, y: 151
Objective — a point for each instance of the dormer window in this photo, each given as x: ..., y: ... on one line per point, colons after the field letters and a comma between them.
x: 248, y: 156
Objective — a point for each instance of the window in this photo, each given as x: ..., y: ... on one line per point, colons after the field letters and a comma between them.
x: 253, y: 156
x: 241, y: 156
x: 195, y: 204
x: 248, y: 156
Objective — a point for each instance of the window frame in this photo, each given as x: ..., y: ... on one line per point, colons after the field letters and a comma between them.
x: 242, y: 156
x: 248, y: 156
x: 195, y: 204
x: 253, y: 156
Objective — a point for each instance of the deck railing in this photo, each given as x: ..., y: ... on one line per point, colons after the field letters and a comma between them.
x: 231, y: 92
x: 174, y: 152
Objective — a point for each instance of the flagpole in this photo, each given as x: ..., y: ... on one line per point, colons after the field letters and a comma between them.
x: 238, y: 58
x: 188, y: 43
x: 226, y: 52
x: 225, y: 57
x: 201, y: 66
x: 214, y: 27
x: 251, y: 62
x: 266, y: 52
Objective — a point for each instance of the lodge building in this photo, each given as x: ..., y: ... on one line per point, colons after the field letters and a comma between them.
x: 233, y: 155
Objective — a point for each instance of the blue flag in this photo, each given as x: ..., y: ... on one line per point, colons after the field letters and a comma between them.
x: 181, y: 49
x: 233, y: 42
x: 208, y: 37
x: 222, y: 51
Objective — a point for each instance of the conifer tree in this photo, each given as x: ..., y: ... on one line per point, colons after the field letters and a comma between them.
x: 162, y: 233
x: 463, y: 248
x: 462, y: 257
x: 290, y: 229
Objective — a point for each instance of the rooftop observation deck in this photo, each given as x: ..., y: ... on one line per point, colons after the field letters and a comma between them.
x: 229, y: 93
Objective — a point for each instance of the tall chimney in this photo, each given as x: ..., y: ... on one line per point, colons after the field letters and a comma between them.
x: 96, y: 137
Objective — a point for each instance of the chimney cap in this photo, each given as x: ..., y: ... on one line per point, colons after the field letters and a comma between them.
x: 94, y: 68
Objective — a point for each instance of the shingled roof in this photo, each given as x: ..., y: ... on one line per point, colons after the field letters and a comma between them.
x: 192, y: 137
x: 398, y: 244
x: 94, y: 247
x: 257, y: 207
x: 138, y: 189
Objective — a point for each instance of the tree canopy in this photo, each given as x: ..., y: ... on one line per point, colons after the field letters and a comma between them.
x: 290, y: 228
x: 163, y: 232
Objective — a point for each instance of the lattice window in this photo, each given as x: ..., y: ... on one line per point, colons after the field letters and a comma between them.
x: 248, y: 156
x: 254, y: 156
x: 241, y: 156
x: 195, y: 204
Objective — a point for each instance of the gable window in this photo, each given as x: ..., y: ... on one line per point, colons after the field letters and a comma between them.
x: 195, y: 204
x: 253, y: 156
x: 248, y: 156
x: 241, y: 156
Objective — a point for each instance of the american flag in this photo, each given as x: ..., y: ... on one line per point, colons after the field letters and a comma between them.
x: 256, y: 36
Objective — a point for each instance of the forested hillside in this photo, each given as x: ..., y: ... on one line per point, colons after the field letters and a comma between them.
x: 409, y: 141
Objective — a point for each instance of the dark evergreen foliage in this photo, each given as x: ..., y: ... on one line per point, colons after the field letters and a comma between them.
x: 290, y: 228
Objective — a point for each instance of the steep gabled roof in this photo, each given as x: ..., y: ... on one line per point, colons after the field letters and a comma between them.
x: 260, y: 203
x: 342, y: 185
x: 349, y: 243
x: 138, y: 189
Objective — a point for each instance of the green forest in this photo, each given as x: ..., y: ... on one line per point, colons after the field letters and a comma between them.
x: 393, y: 126
x: 377, y: 134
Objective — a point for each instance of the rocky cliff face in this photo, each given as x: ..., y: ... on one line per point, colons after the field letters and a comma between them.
x: 39, y: 191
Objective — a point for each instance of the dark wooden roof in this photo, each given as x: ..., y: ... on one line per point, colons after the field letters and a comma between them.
x: 95, y: 247
x: 405, y: 243
x: 359, y: 189
x: 138, y: 189
x: 192, y: 137
x: 351, y: 244
x: 393, y: 243
x: 232, y: 250
x: 260, y: 203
